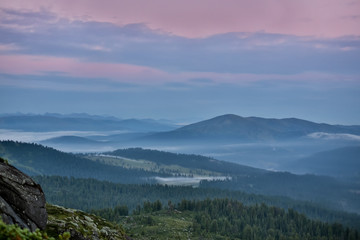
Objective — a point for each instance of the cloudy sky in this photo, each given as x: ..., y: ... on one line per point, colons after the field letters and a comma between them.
x: 182, y: 60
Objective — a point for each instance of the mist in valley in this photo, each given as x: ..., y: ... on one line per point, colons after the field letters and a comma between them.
x: 272, y: 155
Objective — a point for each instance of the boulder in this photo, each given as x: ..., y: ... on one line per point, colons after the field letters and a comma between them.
x: 22, y: 201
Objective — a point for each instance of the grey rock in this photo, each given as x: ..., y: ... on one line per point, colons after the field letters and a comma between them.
x: 22, y: 201
x: 8, y: 215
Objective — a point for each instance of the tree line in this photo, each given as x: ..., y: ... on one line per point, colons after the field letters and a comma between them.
x: 231, y: 219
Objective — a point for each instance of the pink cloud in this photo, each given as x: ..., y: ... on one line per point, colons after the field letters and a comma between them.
x: 330, y: 18
x: 39, y: 65
x: 8, y: 47
x: 126, y: 73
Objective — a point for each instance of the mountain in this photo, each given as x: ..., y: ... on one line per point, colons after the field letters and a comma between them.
x: 80, y: 122
x: 35, y: 159
x: 341, y: 162
x: 233, y: 127
x: 80, y: 115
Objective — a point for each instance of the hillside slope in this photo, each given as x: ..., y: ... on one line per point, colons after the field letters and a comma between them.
x: 90, y: 194
x: 190, y: 161
x: 341, y: 162
x: 35, y: 159
x: 228, y: 219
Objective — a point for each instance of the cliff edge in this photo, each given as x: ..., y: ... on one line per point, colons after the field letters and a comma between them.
x: 22, y: 201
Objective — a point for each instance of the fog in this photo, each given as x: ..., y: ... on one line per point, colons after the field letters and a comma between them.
x: 186, y: 181
x: 270, y: 155
x: 25, y: 136
x: 334, y: 136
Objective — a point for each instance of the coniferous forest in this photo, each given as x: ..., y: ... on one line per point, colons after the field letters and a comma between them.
x: 225, y: 219
x: 91, y: 194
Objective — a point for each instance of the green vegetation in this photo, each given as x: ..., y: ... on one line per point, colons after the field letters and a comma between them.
x: 327, y: 191
x: 79, y: 223
x: 65, y: 224
x: 2, y: 160
x: 233, y: 220
x: 146, y: 165
x: 14, y: 232
x: 159, y: 225
x: 35, y: 159
x: 90, y: 194
x: 228, y: 219
x: 114, y: 214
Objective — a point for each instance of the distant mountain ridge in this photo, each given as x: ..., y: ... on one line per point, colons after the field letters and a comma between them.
x: 231, y: 126
x: 341, y: 162
x: 80, y: 122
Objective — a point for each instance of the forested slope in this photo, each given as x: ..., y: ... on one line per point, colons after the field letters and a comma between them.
x: 88, y: 194
x: 228, y: 219
x: 35, y: 159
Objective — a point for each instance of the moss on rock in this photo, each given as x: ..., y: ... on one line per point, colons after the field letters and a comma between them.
x: 81, y: 225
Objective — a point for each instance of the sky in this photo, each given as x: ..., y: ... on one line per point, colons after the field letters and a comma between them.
x: 182, y: 60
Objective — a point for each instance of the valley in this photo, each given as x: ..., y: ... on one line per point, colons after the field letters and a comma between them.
x: 191, y: 120
x: 286, y: 163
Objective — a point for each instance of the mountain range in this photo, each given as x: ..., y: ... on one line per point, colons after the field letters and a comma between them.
x: 232, y: 127
x: 225, y: 128
x: 80, y: 122
x: 258, y: 142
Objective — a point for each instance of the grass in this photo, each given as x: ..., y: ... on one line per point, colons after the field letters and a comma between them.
x: 152, y: 166
x: 160, y: 225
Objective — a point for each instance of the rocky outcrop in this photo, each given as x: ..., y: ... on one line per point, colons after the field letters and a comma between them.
x: 81, y: 225
x: 22, y: 201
